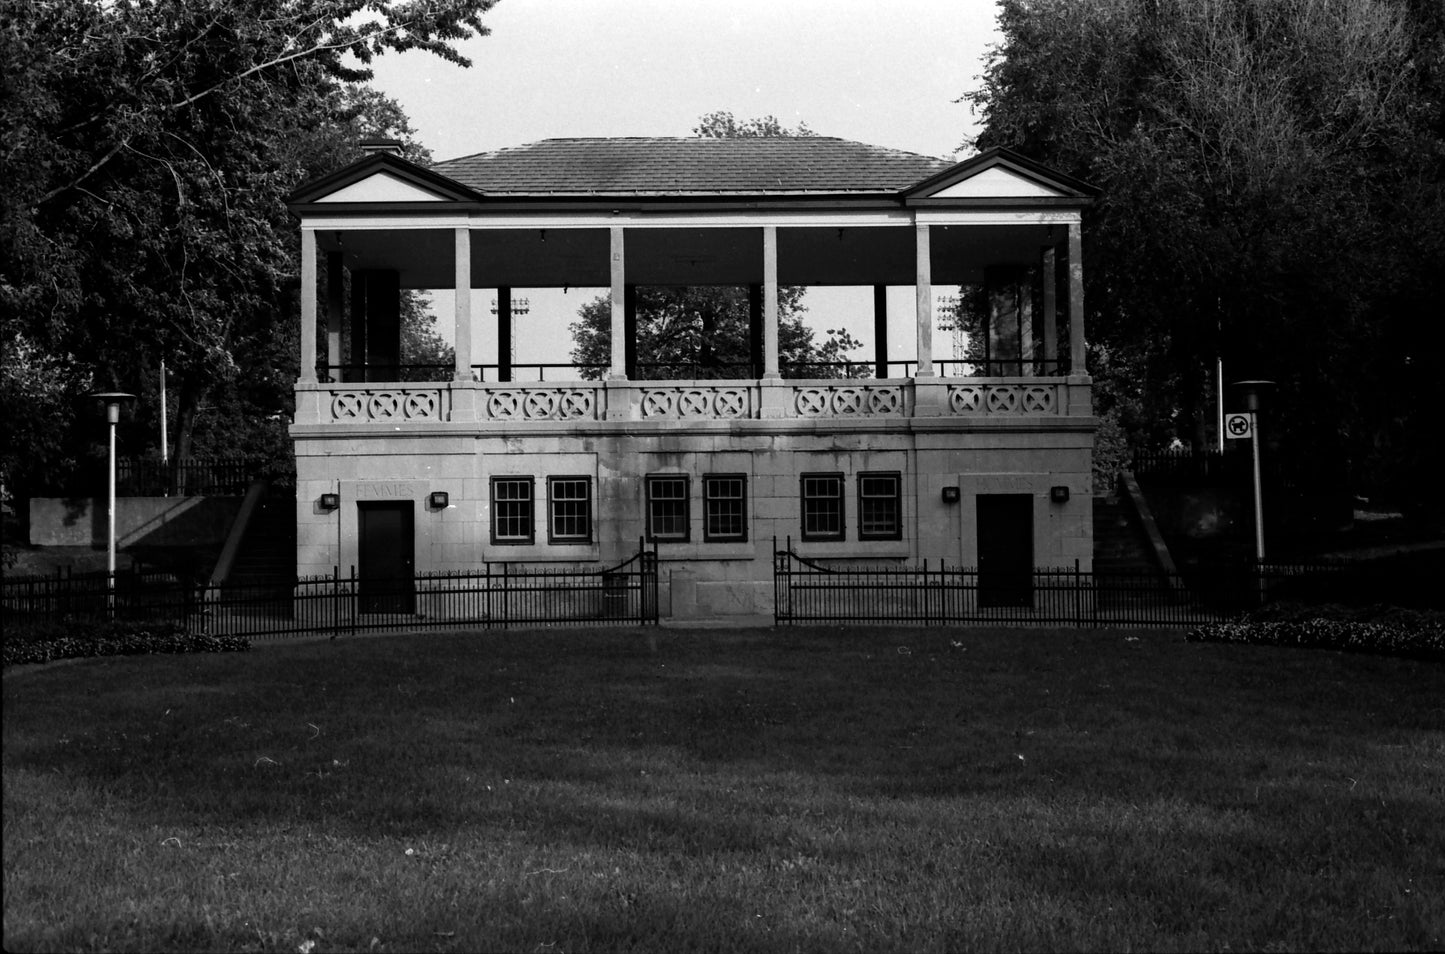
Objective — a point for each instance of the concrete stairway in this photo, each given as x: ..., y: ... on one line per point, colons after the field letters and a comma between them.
x: 266, y: 559
x: 1120, y: 543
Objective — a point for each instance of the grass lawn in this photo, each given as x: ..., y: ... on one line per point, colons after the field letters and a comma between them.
x: 821, y: 789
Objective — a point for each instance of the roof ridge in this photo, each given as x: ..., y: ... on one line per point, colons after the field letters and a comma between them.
x: 811, y: 138
x: 691, y: 164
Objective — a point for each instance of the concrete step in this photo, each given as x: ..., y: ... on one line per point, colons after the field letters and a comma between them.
x: 267, y: 557
x: 1119, y: 542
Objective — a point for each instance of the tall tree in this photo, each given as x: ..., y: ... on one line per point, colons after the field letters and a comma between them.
x: 692, y: 331
x: 721, y: 124
x: 149, y: 147
x: 1257, y: 159
x: 702, y: 332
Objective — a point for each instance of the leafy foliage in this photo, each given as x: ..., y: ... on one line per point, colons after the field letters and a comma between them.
x: 1325, y: 633
x: 1272, y: 193
x: 83, y: 640
x: 702, y: 332
x: 721, y: 124
x: 150, y: 146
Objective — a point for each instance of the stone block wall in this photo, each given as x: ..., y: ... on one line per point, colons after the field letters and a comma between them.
x: 708, y: 579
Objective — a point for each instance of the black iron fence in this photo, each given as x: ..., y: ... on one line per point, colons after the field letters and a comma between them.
x: 496, y: 595
x: 1185, y: 466
x: 200, y: 476
x: 807, y: 591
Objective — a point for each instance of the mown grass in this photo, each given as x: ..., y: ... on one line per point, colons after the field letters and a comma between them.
x: 798, y: 790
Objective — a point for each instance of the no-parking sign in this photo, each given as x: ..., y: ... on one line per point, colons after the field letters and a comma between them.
x: 1238, y: 426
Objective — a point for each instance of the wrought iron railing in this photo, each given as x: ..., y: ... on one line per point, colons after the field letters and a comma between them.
x: 809, y: 591
x: 697, y: 370
x: 538, y: 371
x: 1183, y: 465
x: 495, y: 595
x: 383, y: 373
x: 199, y: 476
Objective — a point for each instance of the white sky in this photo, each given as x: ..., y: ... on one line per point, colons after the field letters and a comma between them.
x: 886, y: 74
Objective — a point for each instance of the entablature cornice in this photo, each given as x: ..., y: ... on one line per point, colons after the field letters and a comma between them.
x: 332, y: 218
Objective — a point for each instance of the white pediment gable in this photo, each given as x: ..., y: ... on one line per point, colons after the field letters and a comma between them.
x: 381, y: 187
x: 996, y: 182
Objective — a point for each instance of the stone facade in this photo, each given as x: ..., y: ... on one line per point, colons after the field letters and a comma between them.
x: 975, y: 444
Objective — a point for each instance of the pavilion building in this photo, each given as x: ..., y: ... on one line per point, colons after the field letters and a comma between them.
x: 979, y: 462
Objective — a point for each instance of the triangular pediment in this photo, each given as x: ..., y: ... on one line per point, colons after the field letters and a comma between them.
x: 381, y: 187
x: 996, y: 183
x: 1001, y: 174
x: 380, y: 179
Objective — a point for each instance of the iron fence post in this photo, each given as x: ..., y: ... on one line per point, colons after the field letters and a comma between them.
x: 1094, y: 579
x: 1078, y: 595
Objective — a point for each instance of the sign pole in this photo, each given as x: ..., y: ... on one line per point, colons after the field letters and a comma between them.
x: 1251, y: 390
x: 1219, y: 400
x: 1258, y: 498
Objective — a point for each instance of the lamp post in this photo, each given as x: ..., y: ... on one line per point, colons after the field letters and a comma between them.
x: 165, y: 441
x: 112, y: 401
x: 1251, y: 391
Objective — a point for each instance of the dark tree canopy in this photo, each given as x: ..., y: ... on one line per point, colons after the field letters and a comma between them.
x: 149, y: 146
x: 1273, y: 194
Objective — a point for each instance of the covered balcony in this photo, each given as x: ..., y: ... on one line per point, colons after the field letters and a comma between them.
x: 619, y: 215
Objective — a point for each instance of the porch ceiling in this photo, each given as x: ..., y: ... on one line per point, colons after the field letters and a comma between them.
x: 543, y: 258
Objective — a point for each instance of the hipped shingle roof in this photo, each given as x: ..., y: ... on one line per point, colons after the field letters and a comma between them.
x: 788, y: 165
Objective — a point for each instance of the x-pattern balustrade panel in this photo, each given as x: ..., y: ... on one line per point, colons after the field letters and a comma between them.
x: 644, y: 401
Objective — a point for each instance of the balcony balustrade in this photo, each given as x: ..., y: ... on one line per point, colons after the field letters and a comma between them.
x: 487, y: 404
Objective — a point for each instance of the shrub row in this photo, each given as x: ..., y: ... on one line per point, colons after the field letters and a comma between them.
x: 81, y: 639
x: 1425, y: 638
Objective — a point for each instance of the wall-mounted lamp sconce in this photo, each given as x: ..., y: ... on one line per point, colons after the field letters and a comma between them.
x: 950, y: 495
x: 330, y: 501
x: 1059, y: 494
x: 439, y: 500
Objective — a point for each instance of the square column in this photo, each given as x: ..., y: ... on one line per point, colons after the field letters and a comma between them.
x: 462, y: 310
x: 629, y: 327
x: 308, y: 306
x: 1076, y: 301
x: 506, y: 334
x: 1048, y: 266
x: 334, y: 279
x: 755, y: 330
x: 924, y: 290
x: 376, y: 323
x: 880, y: 331
x: 770, y: 303
x: 618, y: 370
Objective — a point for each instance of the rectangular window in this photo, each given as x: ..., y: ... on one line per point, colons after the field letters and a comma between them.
x: 668, y: 516
x: 569, y: 502
x: 822, y: 506
x: 880, y: 507
x: 511, y: 510
x: 725, y: 507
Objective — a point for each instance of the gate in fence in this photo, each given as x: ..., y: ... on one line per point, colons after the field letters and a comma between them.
x: 807, y: 591
x: 497, y: 595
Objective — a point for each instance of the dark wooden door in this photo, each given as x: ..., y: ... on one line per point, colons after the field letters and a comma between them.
x: 1005, y: 550
x: 386, y: 557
